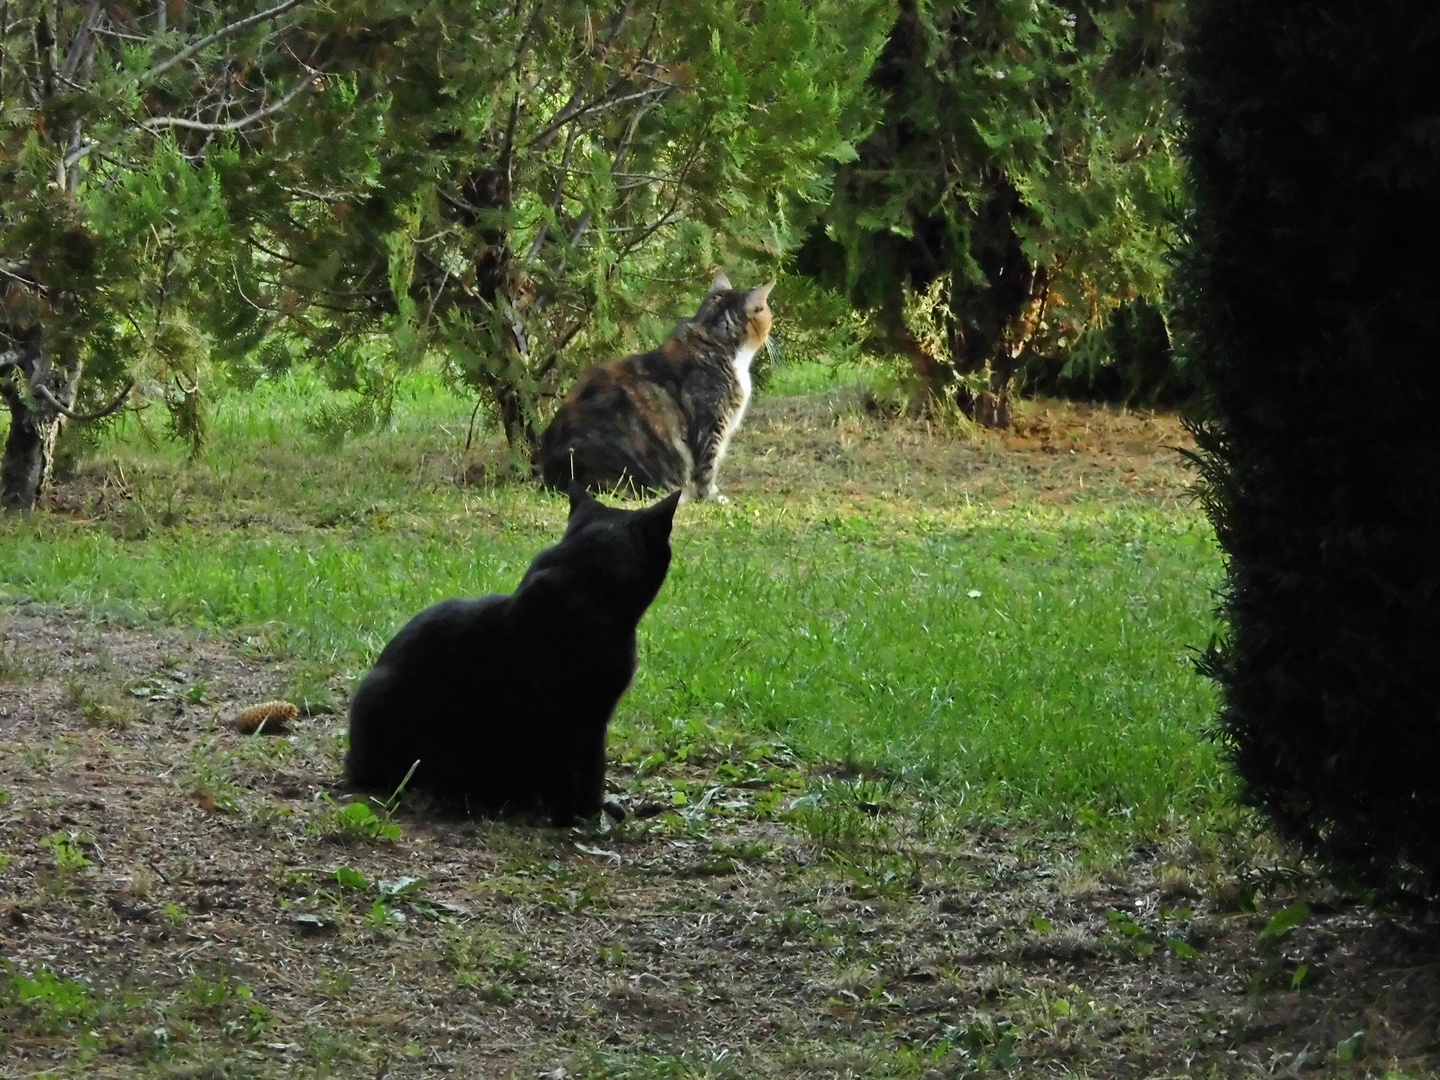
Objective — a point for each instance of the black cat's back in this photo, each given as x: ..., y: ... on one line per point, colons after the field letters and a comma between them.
x: 412, y: 680
x: 504, y: 701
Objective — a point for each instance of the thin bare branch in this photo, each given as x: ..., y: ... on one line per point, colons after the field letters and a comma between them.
x: 160, y: 122
x: 219, y: 35
x: 670, y: 216
x: 556, y: 198
x: 656, y: 89
x: 507, y: 151
x: 621, y: 153
x: 81, y: 42
x: 41, y: 390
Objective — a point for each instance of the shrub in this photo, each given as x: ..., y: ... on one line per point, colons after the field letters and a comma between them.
x: 1310, y: 287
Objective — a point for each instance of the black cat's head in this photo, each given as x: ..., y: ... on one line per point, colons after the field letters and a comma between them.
x: 738, y: 318
x: 610, y: 557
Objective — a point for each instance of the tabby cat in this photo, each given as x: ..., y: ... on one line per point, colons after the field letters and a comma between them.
x: 504, y: 700
x: 662, y: 420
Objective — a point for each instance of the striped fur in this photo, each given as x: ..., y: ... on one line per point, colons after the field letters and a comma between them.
x: 662, y: 420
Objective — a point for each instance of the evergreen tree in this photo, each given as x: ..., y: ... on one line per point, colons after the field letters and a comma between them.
x: 553, y: 182
x: 1017, y: 190
x: 118, y: 127
x: 513, y: 188
x: 1311, y: 290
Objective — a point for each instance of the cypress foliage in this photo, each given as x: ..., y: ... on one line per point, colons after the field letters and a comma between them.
x: 1022, y: 174
x: 1314, y: 145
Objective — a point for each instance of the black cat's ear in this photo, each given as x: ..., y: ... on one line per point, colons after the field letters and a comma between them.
x: 720, y: 284
x: 655, y: 521
x: 580, y: 499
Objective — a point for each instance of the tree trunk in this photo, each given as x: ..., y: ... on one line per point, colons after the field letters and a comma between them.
x: 35, y: 423
x: 505, y: 377
x: 986, y: 344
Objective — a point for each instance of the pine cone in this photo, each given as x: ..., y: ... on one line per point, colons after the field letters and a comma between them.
x: 273, y: 714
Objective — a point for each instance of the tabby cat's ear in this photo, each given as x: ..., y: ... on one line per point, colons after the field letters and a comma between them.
x: 720, y: 284
x: 655, y: 521
x: 756, y: 298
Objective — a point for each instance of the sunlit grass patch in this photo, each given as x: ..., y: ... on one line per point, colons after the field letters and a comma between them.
x: 1032, y: 662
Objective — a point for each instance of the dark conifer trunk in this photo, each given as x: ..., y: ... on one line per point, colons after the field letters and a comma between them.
x: 31, y: 387
x: 503, y: 292
x: 1312, y: 291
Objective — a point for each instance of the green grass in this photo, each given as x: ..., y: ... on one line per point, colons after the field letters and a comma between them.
x: 1062, y: 692
x: 811, y: 377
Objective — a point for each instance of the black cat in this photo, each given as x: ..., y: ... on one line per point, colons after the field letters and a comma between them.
x: 504, y: 700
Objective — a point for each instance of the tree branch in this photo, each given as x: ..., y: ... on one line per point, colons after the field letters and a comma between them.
x: 555, y: 199
x: 41, y: 390
x: 656, y: 88
x: 160, y: 122
x: 219, y: 35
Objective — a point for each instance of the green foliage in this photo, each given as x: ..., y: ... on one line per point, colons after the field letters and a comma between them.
x: 1285, y: 920
x: 356, y: 820
x: 814, y: 324
x: 515, y: 189
x: 67, y: 849
x: 557, y: 194
x: 116, y: 231
x: 51, y: 1003
x: 1028, y: 151
x: 1311, y: 145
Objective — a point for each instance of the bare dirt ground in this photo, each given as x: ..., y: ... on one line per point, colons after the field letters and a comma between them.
x: 1059, y: 452
x: 180, y: 900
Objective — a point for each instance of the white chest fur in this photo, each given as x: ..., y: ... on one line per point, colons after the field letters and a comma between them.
x: 742, y: 379
x: 732, y: 421
x: 742, y: 376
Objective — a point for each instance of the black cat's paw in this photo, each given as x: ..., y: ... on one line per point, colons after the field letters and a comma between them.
x: 615, y: 808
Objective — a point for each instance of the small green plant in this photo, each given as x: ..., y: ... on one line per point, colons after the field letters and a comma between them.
x: 1142, y: 941
x: 311, y: 690
x: 67, y: 850
x: 1284, y: 921
x: 357, y: 821
x: 100, y: 707
x: 12, y: 664
x: 209, y: 777
x: 229, y: 1004
x: 51, y: 1003
x: 1352, y: 1048
x: 832, y: 819
x: 381, y: 916
x: 484, y: 962
x: 336, y: 983
x: 871, y: 876
x: 391, y: 894
x: 1270, y: 946
x: 349, y: 878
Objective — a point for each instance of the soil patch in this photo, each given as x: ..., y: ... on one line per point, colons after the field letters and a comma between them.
x: 207, y: 908
x: 1058, y: 452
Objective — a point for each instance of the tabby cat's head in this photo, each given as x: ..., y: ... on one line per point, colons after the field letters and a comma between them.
x: 738, y: 318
